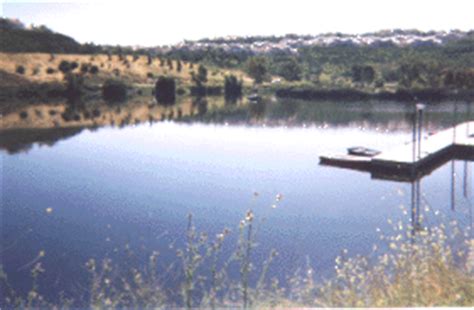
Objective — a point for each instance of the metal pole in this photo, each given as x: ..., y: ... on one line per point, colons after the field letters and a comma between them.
x: 414, y: 135
x: 455, y: 120
x: 420, y: 125
x: 466, y: 179
x: 453, y: 186
x: 418, y: 199
x: 419, y: 108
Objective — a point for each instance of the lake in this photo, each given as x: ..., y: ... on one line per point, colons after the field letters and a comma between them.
x: 80, y: 193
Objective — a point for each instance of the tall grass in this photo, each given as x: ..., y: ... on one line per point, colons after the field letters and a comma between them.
x: 421, y: 267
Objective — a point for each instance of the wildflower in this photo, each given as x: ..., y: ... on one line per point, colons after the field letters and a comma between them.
x: 249, y: 216
x: 49, y: 210
x: 279, y: 197
x: 274, y: 206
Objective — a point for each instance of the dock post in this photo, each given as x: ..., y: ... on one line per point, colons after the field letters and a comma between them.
x: 419, y: 108
x: 455, y: 120
x: 415, y: 126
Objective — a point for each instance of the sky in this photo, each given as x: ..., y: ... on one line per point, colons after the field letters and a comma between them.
x: 157, y: 22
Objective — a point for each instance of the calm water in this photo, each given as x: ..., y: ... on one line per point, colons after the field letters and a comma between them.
x: 135, y: 185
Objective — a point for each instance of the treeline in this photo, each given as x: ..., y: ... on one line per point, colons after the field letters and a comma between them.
x: 450, y: 65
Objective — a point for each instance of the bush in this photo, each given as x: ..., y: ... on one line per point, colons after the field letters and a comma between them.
x: 94, y: 69
x: 35, y: 71
x: 64, y: 66
x: 165, y: 89
x: 180, y: 91
x: 84, y: 68
x: 150, y: 75
x: 114, y: 91
x: 20, y: 69
x: 23, y: 114
x: 50, y: 70
x: 74, y: 65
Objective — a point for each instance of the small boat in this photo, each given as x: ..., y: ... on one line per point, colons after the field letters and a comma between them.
x: 362, y: 151
x: 346, y: 161
x: 254, y: 98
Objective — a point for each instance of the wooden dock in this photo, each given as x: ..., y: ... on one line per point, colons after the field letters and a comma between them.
x: 413, y: 160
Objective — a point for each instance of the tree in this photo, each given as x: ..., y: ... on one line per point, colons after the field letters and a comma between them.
x: 363, y: 74
x: 257, y: 69
x: 232, y: 87
x: 289, y: 69
x: 165, y: 90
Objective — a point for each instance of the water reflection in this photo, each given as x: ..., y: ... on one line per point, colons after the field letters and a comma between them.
x: 54, y: 119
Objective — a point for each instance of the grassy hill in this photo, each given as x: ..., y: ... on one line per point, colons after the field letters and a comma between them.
x: 16, y: 38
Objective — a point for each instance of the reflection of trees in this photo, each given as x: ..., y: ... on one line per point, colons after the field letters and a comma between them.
x: 257, y: 109
x: 200, y: 103
x: 22, y: 140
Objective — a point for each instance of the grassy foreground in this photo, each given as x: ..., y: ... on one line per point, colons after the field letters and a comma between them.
x: 422, y: 267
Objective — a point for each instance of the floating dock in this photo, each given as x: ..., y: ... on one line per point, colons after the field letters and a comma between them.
x: 413, y: 160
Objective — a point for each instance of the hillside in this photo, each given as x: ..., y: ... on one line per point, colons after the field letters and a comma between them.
x: 15, y: 37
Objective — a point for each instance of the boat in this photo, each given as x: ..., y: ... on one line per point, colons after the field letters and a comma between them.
x: 362, y: 151
x: 254, y: 97
x: 346, y: 161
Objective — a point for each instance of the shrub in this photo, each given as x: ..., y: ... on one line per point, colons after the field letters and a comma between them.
x: 114, y: 91
x: 23, y: 114
x: 84, y: 68
x: 64, y: 66
x: 20, y: 69
x: 35, y: 71
x: 74, y: 65
x: 180, y: 91
x: 50, y: 70
x: 150, y: 75
x: 94, y: 69
x: 165, y: 89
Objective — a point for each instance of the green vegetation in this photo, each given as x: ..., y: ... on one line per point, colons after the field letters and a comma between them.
x: 232, y: 87
x: 256, y: 68
x: 114, y: 91
x: 15, y: 38
x: 165, y: 90
x: 421, y: 267
x: 20, y: 69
